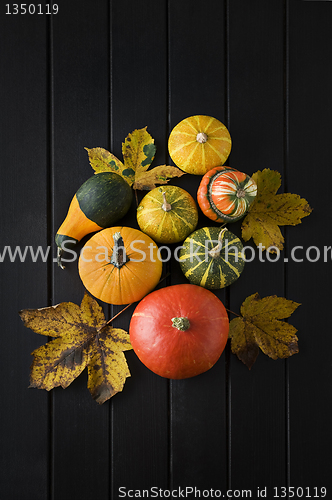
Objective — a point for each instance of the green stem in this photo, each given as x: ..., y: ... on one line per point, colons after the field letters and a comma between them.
x: 181, y: 323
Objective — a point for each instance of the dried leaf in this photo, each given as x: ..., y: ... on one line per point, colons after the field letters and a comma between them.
x: 260, y: 328
x: 271, y: 210
x: 82, y: 338
x: 157, y: 175
x: 102, y: 160
x: 138, y: 153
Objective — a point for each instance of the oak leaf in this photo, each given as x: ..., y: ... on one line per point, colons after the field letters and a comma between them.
x: 138, y: 152
x: 271, y: 210
x: 82, y: 338
x: 260, y: 328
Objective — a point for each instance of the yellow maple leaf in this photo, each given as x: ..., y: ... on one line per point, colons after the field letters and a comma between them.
x: 271, y: 210
x: 138, y: 152
x: 102, y: 160
x: 82, y: 338
x: 259, y: 328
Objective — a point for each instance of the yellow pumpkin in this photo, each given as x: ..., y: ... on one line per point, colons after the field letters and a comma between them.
x: 120, y: 265
x: 199, y: 143
x: 168, y: 214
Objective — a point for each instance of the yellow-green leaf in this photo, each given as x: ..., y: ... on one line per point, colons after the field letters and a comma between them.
x: 271, y: 210
x: 83, y: 339
x: 102, y: 160
x: 108, y: 367
x: 138, y: 152
x: 260, y: 327
x: 158, y: 175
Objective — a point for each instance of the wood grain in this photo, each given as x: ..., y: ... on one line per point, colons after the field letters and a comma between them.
x: 87, y: 77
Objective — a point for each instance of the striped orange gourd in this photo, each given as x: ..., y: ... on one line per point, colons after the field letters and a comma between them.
x: 225, y: 194
x: 199, y: 143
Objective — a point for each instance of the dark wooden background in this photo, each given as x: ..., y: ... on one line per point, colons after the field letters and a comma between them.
x: 86, y: 77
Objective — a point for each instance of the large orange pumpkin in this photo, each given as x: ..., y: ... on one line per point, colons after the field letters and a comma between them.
x: 179, y: 331
x: 199, y: 143
x: 120, y: 265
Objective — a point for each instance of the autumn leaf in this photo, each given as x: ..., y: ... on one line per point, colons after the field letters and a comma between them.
x: 260, y: 328
x: 102, y: 160
x: 82, y: 338
x: 271, y: 210
x: 157, y: 175
x: 138, y: 152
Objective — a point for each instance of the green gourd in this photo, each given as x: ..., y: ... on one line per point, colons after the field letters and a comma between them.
x: 100, y: 202
x: 212, y: 257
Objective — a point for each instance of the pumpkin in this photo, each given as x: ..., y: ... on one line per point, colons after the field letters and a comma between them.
x: 168, y: 214
x: 120, y: 265
x: 179, y: 331
x: 199, y: 143
x: 101, y: 201
x: 225, y: 194
x: 212, y: 257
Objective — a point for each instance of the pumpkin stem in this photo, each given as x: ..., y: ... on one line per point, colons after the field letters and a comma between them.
x: 240, y: 193
x: 201, y: 137
x: 181, y: 323
x: 119, y: 257
x: 215, y: 251
x: 166, y: 206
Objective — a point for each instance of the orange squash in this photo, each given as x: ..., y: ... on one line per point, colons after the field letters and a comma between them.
x: 120, y: 265
x: 199, y: 143
x: 179, y: 331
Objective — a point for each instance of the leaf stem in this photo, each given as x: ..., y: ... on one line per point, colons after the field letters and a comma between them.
x: 126, y: 307
x: 114, y: 317
x: 232, y: 312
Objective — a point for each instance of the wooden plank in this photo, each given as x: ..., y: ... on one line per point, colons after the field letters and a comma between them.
x: 258, y: 398
x: 197, y: 62
x: 24, y: 416
x: 309, y: 174
x: 140, y: 445
x: 80, y: 43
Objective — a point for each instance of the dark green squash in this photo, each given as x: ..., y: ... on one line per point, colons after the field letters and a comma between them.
x: 212, y: 257
x: 100, y: 202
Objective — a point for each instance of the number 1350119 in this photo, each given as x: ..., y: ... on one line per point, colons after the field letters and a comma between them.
x: 31, y: 8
